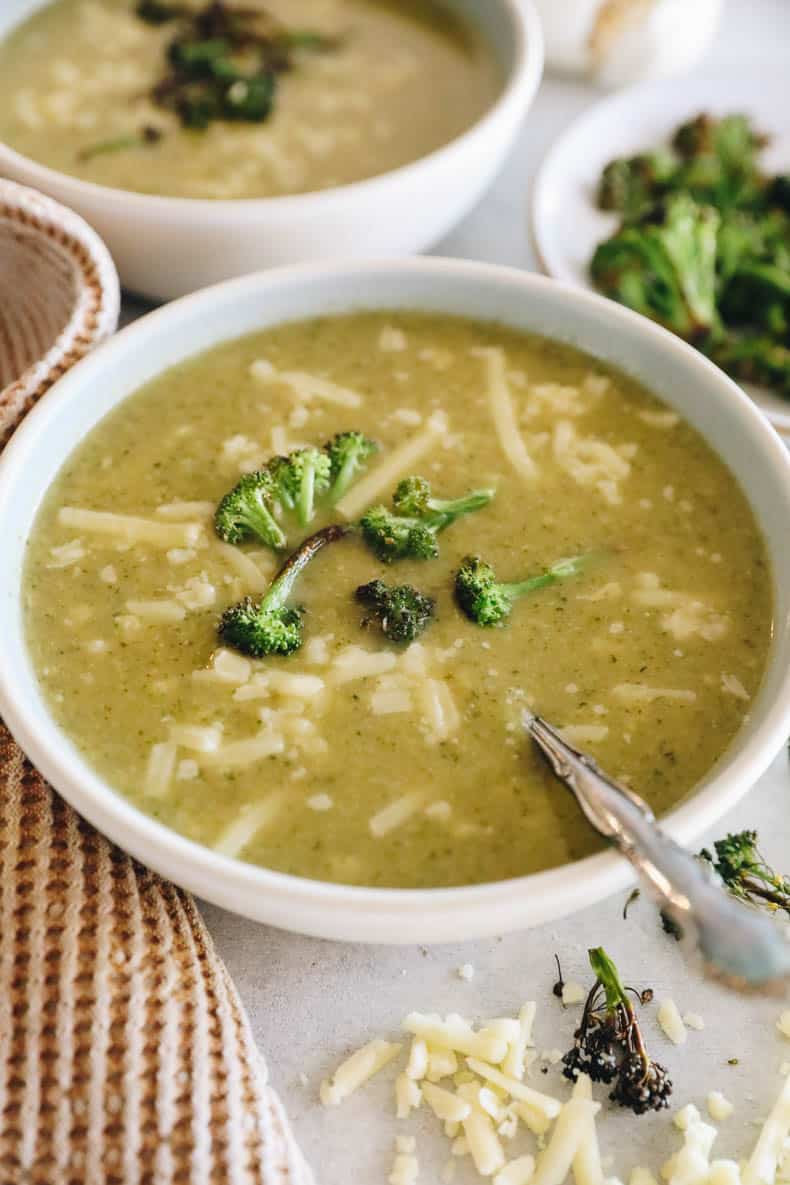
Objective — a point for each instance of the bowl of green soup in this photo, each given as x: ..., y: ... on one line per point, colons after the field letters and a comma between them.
x: 286, y: 561
x: 208, y: 138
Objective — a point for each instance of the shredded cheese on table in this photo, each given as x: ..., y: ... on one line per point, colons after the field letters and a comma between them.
x: 480, y: 1104
x: 671, y: 1022
x: 356, y: 1070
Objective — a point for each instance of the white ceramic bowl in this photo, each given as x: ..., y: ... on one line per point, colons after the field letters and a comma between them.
x: 677, y: 373
x: 165, y: 247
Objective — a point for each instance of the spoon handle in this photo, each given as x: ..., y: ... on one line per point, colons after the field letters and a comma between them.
x: 738, y: 945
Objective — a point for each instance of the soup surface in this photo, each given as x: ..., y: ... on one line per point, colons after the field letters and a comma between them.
x: 354, y: 759
x: 77, y: 81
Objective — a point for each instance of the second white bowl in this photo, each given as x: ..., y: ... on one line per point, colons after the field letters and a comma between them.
x: 165, y: 247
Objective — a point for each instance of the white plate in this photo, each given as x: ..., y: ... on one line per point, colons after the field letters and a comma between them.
x: 566, y: 225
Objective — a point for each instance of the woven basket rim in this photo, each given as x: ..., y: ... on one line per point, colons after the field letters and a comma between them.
x: 96, y: 308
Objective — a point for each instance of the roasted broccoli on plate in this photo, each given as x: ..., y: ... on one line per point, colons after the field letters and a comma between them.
x: 704, y: 245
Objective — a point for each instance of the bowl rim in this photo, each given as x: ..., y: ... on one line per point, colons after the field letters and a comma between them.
x: 520, y: 85
x: 428, y: 914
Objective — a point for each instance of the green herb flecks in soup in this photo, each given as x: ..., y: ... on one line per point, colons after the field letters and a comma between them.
x: 237, y: 100
x: 606, y: 570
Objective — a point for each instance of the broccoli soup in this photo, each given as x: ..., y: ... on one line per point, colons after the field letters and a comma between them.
x: 292, y: 597
x: 215, y: 99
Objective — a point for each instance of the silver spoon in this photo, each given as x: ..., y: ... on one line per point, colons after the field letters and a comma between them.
x: 738, y: 945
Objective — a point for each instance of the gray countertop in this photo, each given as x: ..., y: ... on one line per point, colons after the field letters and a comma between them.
x: 310, y: 1001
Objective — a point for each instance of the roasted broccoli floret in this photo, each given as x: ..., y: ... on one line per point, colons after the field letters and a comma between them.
x: 664, y: 266
x: 778, y: 192
x: 719, y: 160
x: 486, y: 601
x: 631, y: 185
x: 247, y: 512
x: 348, y: 454
x: 752, y: 357
x: 609, y: 1046
x: 403, y: 612
x: 745, y: 872
x: 411, y: 529
x: 270, y: 626
x: 302, y: 479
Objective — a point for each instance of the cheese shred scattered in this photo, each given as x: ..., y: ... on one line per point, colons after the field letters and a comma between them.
x: 356, y: 1070
x: 393, y: 466
x: 503, y: 413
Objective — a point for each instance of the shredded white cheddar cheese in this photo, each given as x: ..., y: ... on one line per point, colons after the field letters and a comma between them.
x: 671, y: 1022
x: 769, y: 1150
x: 250, y: 821
x: 393, y: 466
x: 356, y: 1069
x: 160, y: 769
x: 719, y: 1107
x: 516, y: 1172
x: 455, y: 1033
x: 513, y: 1065
x: 503, y: 412
x: 395, y: 814
x: 129, y: 528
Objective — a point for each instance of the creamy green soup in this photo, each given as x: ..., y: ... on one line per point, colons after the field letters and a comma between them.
x: 356, y: 759
x: 367, y: 86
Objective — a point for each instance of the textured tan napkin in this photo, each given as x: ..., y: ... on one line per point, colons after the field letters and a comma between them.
x: 125, y: 1054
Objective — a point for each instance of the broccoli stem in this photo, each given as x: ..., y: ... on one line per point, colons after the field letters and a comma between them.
x: 282, y: 585
x: 551, y: 576
x: 607, y: 974
x: 617, y: 997
x: 443, y: 513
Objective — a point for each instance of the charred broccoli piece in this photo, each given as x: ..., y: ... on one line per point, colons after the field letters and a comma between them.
x: 609, y: 1046
x: 270, y: 626
x: 488, y: 602
x: 348, y: 454
x: 410, y: 530
x: 746, y: 873
x: 720, y: 160
x: 664, y: 266
x: 402, y: 611
x: 752, y: 357
x: 758, y: 295
x: 247, y: 512
x: 631, y: 185
x: 778, y: 192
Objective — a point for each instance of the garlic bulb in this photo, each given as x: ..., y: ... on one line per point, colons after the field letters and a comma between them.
x: 618, y: 42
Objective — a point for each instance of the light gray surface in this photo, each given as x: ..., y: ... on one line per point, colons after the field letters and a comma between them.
x: 310, y: 1002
